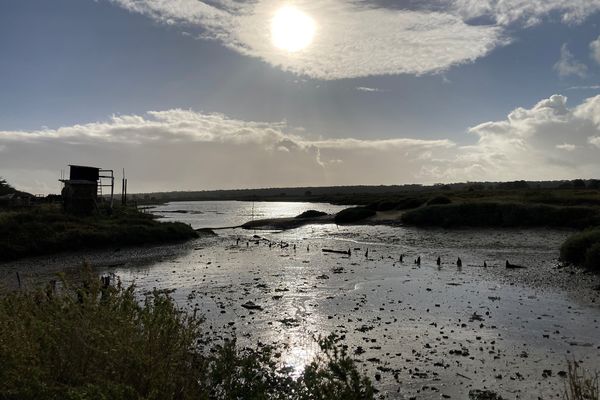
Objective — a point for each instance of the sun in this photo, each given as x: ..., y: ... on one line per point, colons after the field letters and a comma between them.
x: 291, y: 29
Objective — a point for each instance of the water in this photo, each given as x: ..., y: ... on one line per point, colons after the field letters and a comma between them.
x: 423, y: 331
x: 217, y: 214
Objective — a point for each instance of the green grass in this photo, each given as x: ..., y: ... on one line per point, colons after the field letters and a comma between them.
x: 499, y: 214
x: 46, y: 230
x: 90, y: 342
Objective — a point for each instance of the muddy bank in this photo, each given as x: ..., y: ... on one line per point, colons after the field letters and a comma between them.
x: 34, y: 271
x: 419, y: 331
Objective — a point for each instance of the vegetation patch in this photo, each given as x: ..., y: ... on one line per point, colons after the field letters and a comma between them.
x: 583, y: 249
x: 354, y: 214
x: 581, y: 385
x: 46, y: 229
x: 100, y: 342
x: 497, y: 214
x: 311, y: 214
x: 439, y: 200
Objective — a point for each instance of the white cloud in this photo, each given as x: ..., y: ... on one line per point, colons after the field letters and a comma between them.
x: 590, y: 87
x: 357, y: 39
x: 527, y: 12
x: 352, y: 39
x: 183, y: 149
x: 369, y: 89
x: 566, y: 147
x: 567, y: 65
x: 595, y: 50
x: 177, y: 149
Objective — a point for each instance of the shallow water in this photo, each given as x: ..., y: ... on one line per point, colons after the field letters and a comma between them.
x: 422, y: 331
x: 218, y: 214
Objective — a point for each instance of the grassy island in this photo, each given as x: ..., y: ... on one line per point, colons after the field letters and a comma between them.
x: 46, y: 229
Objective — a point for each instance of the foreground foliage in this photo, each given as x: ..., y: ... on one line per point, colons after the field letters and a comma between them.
x: 580, y: 385
x: 46, y: 229
x: 99, y: 342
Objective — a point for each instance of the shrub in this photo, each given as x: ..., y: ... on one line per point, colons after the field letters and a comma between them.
x: 95, y: 342
x: 354, y: 214
x: 439, y: 200
x: 592, y: 257
x: 575, y: 249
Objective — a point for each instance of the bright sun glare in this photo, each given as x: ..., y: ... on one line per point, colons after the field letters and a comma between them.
x: 291, y: 29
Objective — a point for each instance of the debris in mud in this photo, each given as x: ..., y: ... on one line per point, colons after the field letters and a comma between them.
x: 475, y: 317
x: 323, y: 276
x: 252, y: 306
x: 460, y: 352
x: 346, y: 252
x: 364, y: 328
x: 477, y: 394
x: 290, y: 322
x: 513, y: 266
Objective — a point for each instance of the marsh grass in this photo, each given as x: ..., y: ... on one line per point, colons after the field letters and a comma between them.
x: 500, y: 214
x: 96, y: 342
x: 354, y: 214
x: 581, y: 385
x: 46, y: 229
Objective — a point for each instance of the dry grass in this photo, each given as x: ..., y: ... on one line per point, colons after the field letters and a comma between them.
x: 581, y: 385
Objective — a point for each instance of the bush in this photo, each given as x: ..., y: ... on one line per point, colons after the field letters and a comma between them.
x: 96, y: 342
x: 592, y: 257
x: 354, y: 214
x: 311, y: 214
x: 575, y: 249
x: 409, y: 203
x: 439, y: 200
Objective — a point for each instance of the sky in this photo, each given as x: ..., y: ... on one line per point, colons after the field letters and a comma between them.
x: 215, y: 94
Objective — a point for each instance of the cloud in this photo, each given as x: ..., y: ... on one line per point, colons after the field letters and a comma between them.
x: 567, y: 65
x: 566, y: 147
x: 358, y: 38
x: 177, y: 149
x: 594, y: 140
x: 353, y: 39
x: 526, y: 12
x: 184, y: 149
x: 369, y: 89
x: 595, y: 50
x: 590, y: 87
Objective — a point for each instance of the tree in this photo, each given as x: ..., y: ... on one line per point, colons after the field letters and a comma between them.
x: 5, y: 187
